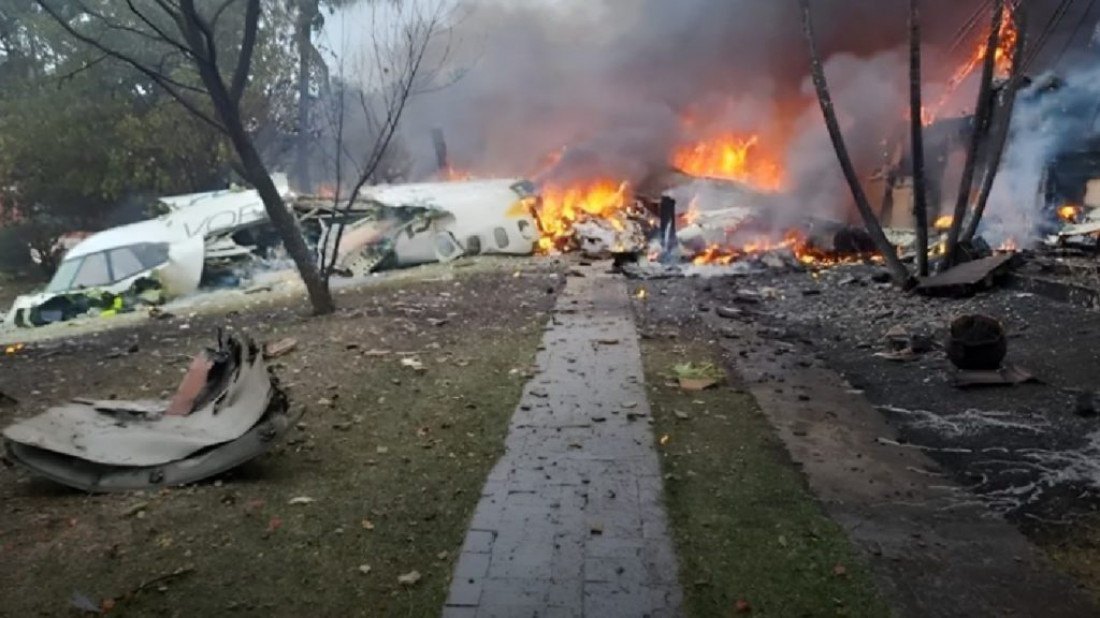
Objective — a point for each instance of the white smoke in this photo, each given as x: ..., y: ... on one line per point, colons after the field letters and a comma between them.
x: 1054, y: 115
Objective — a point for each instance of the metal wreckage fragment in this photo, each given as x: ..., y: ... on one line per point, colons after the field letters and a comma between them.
x: 228, y: 409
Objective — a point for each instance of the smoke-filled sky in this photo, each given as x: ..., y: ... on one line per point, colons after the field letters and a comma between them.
x: 613, y: 81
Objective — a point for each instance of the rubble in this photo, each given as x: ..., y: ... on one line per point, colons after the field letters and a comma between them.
x: 233, y: 414
x: 977, y: 343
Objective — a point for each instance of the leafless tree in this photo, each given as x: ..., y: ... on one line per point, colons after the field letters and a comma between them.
x: 916, y: 124
x: 409, y: 45
x: 898, y: 271
x: 979, y: 130
x: 158, y: 38
x: 999, y: 136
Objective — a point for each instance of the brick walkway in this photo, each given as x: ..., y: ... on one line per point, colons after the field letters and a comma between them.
x: 570, y: 522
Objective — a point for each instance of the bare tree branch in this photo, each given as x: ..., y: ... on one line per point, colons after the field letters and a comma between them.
x: 152, y: 26
x: 248, y: 44
x: 169, y: 85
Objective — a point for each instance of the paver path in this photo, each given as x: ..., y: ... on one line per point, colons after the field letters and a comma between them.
x: 571, y: 521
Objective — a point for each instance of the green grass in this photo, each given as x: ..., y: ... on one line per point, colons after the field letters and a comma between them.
x: 405, y: 452
x: 749, y: 534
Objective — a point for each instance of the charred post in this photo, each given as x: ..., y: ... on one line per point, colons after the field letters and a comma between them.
x: 667, y: 212
x: 898, y: 272
x: 1004, y: 124
x: 982, y: 113
x: 916, y: 123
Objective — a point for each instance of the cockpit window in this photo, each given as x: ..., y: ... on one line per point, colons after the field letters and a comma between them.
x: 93, y: 270
x: 64, y: 276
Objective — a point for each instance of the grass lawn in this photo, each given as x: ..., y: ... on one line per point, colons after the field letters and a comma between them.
x: 392, y: 461
x: 750, y: 536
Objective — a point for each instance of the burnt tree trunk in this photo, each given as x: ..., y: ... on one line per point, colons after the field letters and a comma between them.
x: 1004, y: 124
x: 916, y: 124
x: 981, y: 122
x: 303, y: 39
x: 898, y: 271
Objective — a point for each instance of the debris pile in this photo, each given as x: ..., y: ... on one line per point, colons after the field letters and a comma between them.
x: 227, y: 410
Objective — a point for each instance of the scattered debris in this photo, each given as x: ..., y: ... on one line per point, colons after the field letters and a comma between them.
x: 114, y: 445
x: 301, y: 500
x: 1009, y: 375
x: 275, y: 349
x: 7, y: 401
x: 693, y: 377
x: 968, y: 278
x: 409, y: 579
x: 977, y: 343
x: 413, y: 364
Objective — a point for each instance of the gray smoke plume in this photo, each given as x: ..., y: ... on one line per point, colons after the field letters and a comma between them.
x: 610, y: 82
x: 1054, y: 116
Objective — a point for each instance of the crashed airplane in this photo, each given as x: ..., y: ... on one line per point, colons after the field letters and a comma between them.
x: 406, y: 225
x: 149, y: 262
x: 213, y: 237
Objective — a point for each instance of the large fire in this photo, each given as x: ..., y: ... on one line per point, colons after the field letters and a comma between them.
x: 1003, y: 59
x: 731, y: 157
x: 563, y: 206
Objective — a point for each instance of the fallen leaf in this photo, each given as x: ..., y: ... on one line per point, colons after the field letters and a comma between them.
x: 367, y: 524
x: 301, y: 500
x: 409, y: 579
x: 697, y: 384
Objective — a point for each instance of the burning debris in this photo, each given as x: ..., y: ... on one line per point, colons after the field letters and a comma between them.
x: 227, y: 410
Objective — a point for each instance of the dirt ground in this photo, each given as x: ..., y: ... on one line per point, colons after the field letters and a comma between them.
x: 393, y: 459
x: 1022, y: 451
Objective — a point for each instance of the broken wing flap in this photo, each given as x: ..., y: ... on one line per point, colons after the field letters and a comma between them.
x: 243, y: 373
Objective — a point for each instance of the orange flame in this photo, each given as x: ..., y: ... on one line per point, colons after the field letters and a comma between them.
x: 731, y: 157
x: 943, y: 223
x: 1003, y: 58
x: 793, y: 241
x: 1069, y: 213
x: 453, y: 174
x: 563, y: 206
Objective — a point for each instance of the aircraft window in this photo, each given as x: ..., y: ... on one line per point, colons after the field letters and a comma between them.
x: 93, y: 272
x: 62, y: 280
x: 124, y: 263
x: 151, y: 255
x: 501, y: 236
